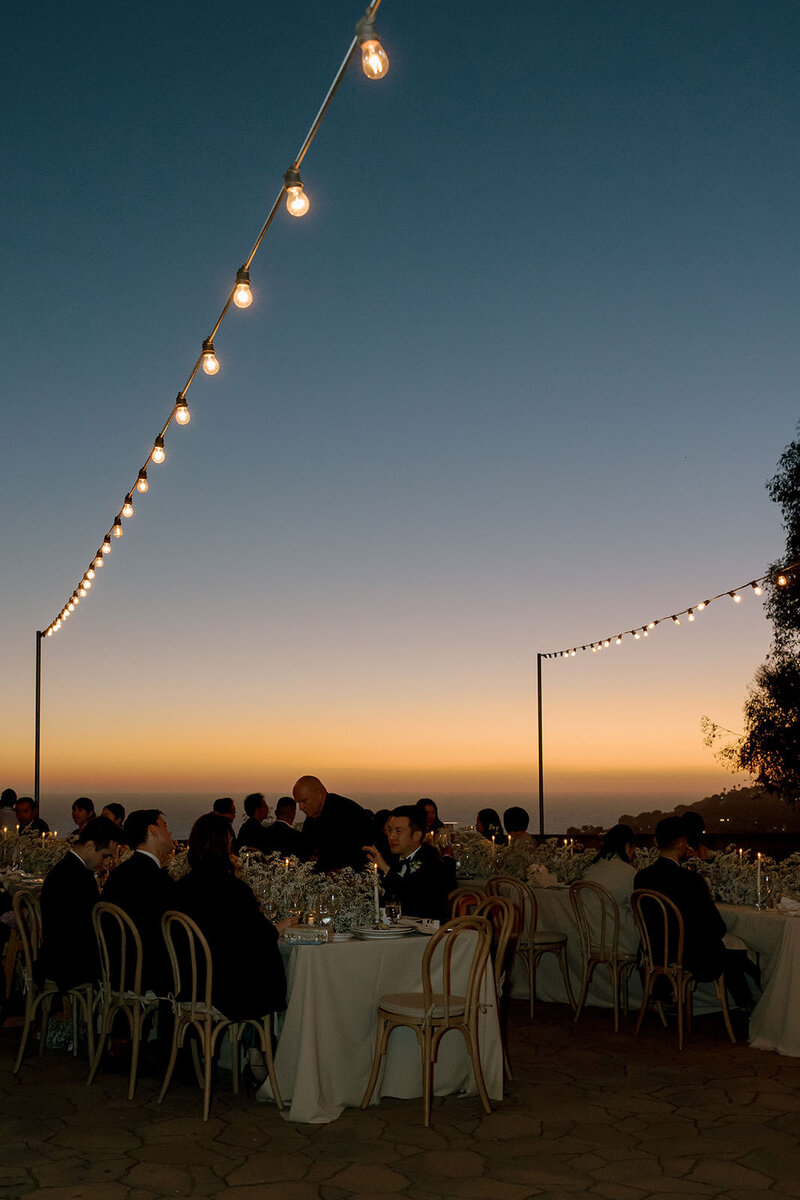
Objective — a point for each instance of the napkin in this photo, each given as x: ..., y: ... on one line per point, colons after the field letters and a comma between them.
x: 541, y: 877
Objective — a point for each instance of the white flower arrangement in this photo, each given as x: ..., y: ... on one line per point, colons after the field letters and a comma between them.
x: 30, y: 854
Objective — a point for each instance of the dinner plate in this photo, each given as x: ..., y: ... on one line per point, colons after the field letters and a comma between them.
x: 396, y: 931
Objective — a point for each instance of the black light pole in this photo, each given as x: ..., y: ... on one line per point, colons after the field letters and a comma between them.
x: 37, y: 733
x: 541, y: 767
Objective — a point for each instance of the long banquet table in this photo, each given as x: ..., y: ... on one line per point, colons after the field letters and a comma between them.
x: 326, y: 1044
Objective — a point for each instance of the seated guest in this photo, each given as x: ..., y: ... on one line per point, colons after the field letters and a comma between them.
x: 695, y: 827
x: 335, y: 828
x: 705, y: 954
x: 516, y: 821
x: 281, y: 837
x: 249, y: 980
x: 226, y: 807
x: 68, y: 951
x: 28, y: 819
x: 379, y: 839
x: 142, y: 888
x: 82, y: 811
x: 432, y: 822
x: 613, y: 869
x: 488, y: 826
x: 8, y: 798
x: 418, y: 879
x: 114, y: 812
x: 251, y: 834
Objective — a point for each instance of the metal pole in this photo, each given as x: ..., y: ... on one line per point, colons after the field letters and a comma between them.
x: 541, y: 767
x: 37, y: 735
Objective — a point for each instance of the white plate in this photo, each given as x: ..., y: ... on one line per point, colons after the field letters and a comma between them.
x: 396, y: 931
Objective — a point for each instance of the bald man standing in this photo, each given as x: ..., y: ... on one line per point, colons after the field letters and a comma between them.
x: 335, y: 828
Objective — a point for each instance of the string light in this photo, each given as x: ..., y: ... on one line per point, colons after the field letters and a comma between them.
x: 141, y: 483
x: 182, y: 414
x: 210, y: 360
x: 242, y: 295
x: 106, y: 546
x: 90, y: 573
x: 374, y: 59
x: 779, y: 579
x: 159, y: 453
x: 127, y: 508
x: 98, y: 562
x: 117, y: 528
x: 297, y: 202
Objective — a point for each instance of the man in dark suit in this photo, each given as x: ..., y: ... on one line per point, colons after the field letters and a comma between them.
x: 705, y: 953
x: 418, y: 878
x: 335, y: 829
x: 28, y: 818
x: 281, y: 837
x: 251, y: 834
x: 68, y: 952
x: 141, y: 887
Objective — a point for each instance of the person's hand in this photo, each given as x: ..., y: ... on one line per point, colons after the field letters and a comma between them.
x: 374, y: 855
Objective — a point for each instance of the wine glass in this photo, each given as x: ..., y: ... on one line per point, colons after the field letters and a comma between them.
x: 394, y: 911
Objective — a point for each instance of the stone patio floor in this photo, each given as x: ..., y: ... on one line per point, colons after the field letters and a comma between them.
x: 589, y: 1113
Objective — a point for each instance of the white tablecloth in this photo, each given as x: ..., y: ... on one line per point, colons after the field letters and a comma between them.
x: 775, y: 1021
x: 326, y: 1045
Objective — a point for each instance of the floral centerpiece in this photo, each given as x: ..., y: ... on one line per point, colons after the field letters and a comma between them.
x: 31, y: 854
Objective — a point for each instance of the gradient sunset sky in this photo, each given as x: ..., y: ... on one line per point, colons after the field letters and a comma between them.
x: 515, y: 383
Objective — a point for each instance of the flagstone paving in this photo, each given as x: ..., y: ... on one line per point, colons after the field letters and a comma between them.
x: 589, y: 1113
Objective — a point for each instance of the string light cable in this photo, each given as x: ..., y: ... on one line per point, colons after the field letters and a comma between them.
x: 780, y: 578
x: 375, y: 64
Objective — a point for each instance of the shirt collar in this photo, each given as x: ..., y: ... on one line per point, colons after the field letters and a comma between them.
x: 147, y: 854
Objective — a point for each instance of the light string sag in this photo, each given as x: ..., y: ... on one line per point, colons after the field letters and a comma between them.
x: 780, y: 578
x: 375, y: 64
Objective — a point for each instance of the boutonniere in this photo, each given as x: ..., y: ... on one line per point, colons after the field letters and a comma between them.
x: 414, y: 866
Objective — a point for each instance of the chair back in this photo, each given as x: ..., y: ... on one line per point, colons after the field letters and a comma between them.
x: 190, y: 956
x: 437, y: 962
x: 120, y: 947
x: 597, y: 917
x: 505, y: 918
x: 661, y: 929
x: 29, y: 926
x: 464, y: 900
x: 519, y: 893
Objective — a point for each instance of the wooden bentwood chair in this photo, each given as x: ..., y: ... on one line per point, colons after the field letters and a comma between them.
x: 661, y: 928
x: 435, y: 1010
x: 120, y: 947
x: 505, y: 918
x: 597, y: 917
x: 533, y: 942
x: 464, y: 900
x: 193, y: 974
x: 29, y: 927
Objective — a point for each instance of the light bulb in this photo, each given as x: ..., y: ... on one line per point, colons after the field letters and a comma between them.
x: 374, y: 59
x: 636, y: 635
x: 701, y: 606
x: 117, y: 528
x: 127, y: 508
x: 572, y: 653
x: 782, y: 580
x: 141, y: 483
x: 242, y: 295
x: 50, y: 632
x: 757, y: 588
x: 98, y: 562
x: 81, y: 591
x: 297, y: 202
x: 652, y: 624
x: 618, y: 640
x: 735, y: 597
x: 159, y: 453
x: 86, y: 584
x: 90, y: 573
x: 690, y: 615
x: 676, y: 620
x: 644, y: 632
x: 210, y: 360
x: 106, y: 546
x: 606, y: 643
x: 182, y: 414
x: 71, y: 607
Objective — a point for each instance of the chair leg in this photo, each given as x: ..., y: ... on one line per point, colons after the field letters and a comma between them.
x: 646, y: 990
x: 722, y: 992
x: 105, y: 1030
x: 613, y: 969
x: 173, y: 1055
x: 47, y: 1002
x: 561, y: 955
x: 137, y: 1025
x: 381, y: 1039
x: 209, y: 1063
x: 473, y: 1049
x: 587, y: 975
x: 270, y: 1061
x: 30, y: 1009
x: 427, y: 1076
x: 233, y: 1032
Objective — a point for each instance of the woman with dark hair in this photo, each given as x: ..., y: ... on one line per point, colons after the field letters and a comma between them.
x: 431, y: 813
x: 249, y: 979
x: 613, y: 869
x: 489, y: 825
x: 695, y: 827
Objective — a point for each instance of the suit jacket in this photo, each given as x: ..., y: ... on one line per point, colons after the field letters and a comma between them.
x: 68, y: 953
x: 251, y: 836
x: 704, y: 951
x: 249, y: 979
x: 280, y: 838
x: 145, y: 891
x: 422, y: 884
x: 337, y: 834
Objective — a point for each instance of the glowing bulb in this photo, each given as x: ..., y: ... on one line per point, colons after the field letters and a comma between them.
x: 90, y: 573
x: 141, y: 483
x: 86, y: 584
x: 690, y: 615
x: 676, y: 620
x: 50, y: 632
x: 98, y: 562
x: 127, y: 508
x: 117, y: 528
x: 296, y: 200
x: 242, y: 295
x: 106, y: 546
x: 606, y: 643
x: 637, y: 635
x: 618, y: 640
x: 652, y: 624
x: 81, y: 591
x: 735, y: 597
x: 782, y: 580
x: 644, y: 632
x: 159, y: 454
x: 374, y: 59
x: 757, y: 588
x: 70, y: 607
x: 701, y: 606
x: 572, y: 653
x: 182, y: 414
x: 210, y: 360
